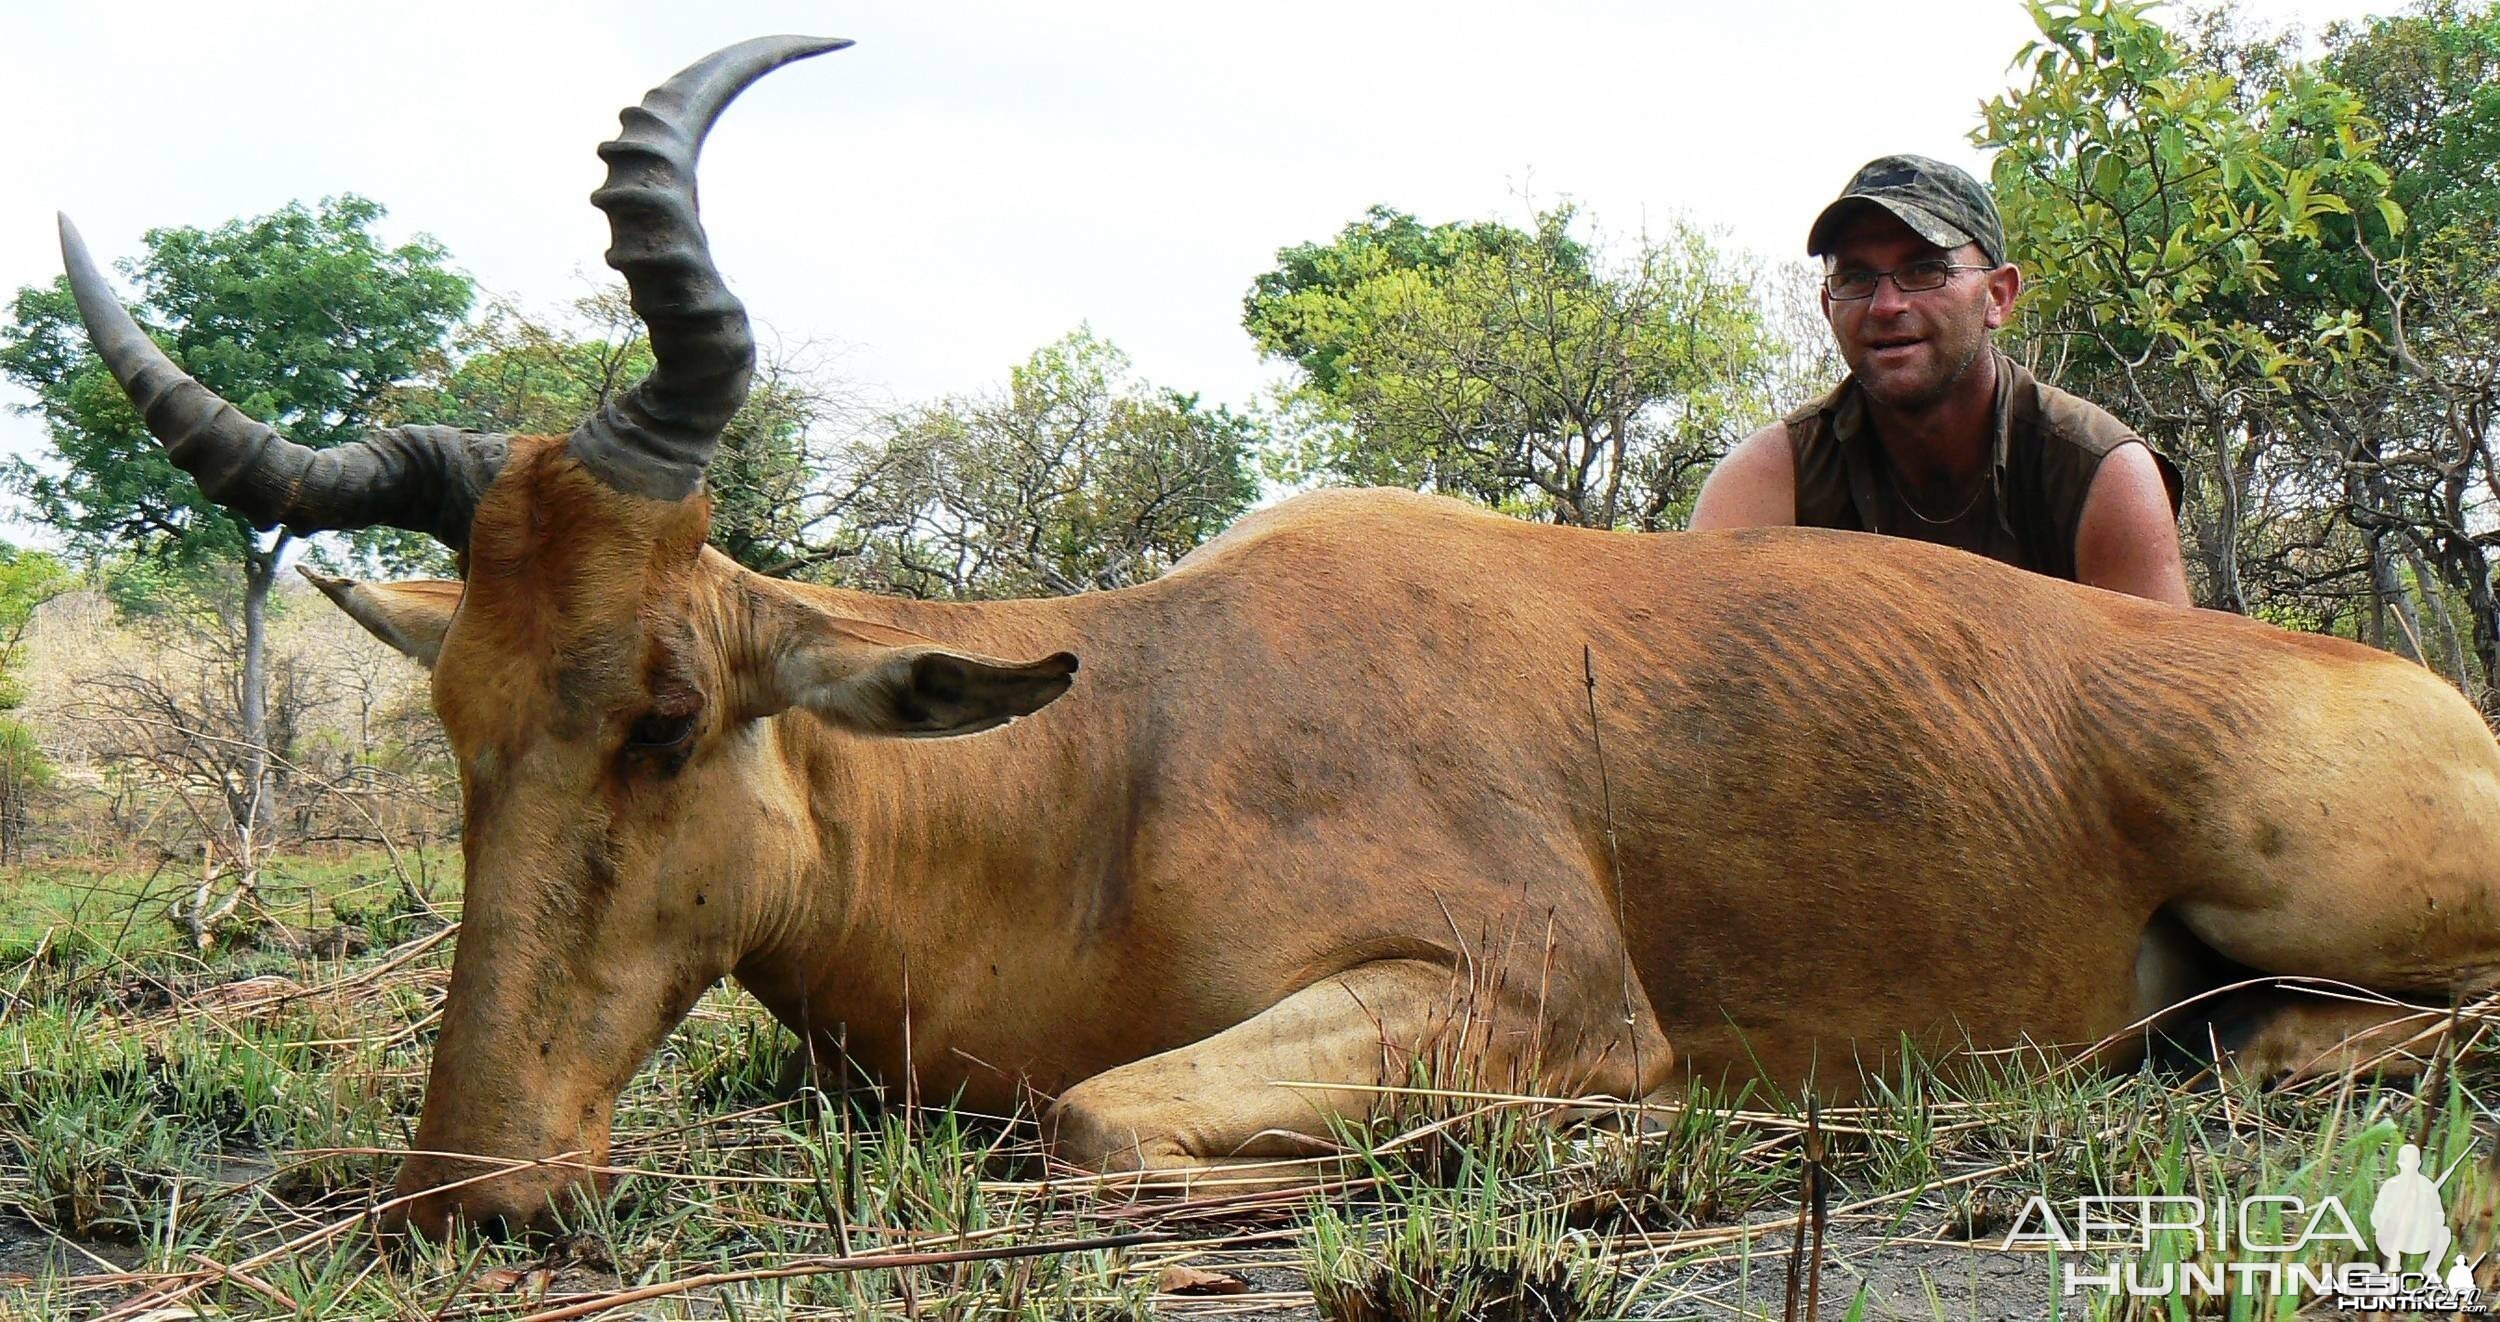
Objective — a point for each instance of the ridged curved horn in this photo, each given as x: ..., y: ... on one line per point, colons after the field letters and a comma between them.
x: 657, y: 438
x: 424, y: 479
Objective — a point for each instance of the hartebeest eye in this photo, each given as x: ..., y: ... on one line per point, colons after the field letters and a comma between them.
x: 660, y: 730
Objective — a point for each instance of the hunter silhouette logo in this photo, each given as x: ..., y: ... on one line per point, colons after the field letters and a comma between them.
x: 2409, y: 1217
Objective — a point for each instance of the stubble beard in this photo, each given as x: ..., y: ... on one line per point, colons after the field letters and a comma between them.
x: 1915, y: 397
x: 1957, y: 334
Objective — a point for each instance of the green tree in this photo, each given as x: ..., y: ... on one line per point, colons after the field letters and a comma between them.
x: 2160, y: 206
x: 28, y: 579
x: 2430, y: 79
x: 527, y: 374
x: 1300, y: 310
x: 1525, y: 369
x: 303, y: 318
x: 2278, y: 267
x: 515, y: 372
x: 2418, y: 443
x: 1077, y: 476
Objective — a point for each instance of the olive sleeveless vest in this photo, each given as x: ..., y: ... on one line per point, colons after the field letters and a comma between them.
x: 2048, y: 445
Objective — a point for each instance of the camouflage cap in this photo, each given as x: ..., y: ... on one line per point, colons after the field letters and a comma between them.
x: 1941, y: 202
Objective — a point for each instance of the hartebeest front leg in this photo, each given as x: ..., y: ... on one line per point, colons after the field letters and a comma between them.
x: 1258, y: 1091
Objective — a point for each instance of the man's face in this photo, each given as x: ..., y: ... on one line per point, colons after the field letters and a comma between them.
x: 1910, y: 350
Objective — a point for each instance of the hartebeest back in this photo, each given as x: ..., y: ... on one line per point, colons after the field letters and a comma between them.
x: 1328, y: 792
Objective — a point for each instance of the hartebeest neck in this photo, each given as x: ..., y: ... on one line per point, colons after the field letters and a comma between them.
x: 924, y: 859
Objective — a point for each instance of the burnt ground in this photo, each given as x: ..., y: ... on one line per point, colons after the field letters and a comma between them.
x: 1903, y: 1279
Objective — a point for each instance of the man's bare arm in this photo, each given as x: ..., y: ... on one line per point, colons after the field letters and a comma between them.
x: 2128, y: 540
x: 1755, y: 486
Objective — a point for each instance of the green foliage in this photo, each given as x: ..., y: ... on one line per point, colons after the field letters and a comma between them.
x: 1078, y: 476
x: 23, y: 763
x: 107, y: 1129
x: 175, y: 601
x: 302, y: 318
x: 2197, y: 215
x: 510, y: 371
x: 28, y: 579
x: 1300, y: 309
x: 763, y: 478
x: 2416, y: 439
x: 2430, y: 80
x: 2278, y: 270
x: 2151, y: 201
x: 529, y: 375
x: 1525, y: 369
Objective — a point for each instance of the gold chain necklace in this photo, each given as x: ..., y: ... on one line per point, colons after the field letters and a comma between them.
x: 1902, y: 494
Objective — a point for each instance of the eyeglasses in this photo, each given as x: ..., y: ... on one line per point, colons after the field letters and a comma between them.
x: 1915, y: 278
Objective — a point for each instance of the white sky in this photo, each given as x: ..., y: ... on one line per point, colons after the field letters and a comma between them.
x: 975, y: 179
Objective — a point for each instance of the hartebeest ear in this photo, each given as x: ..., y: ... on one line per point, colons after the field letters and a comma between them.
x: 410, y: 616
x: 880, y: 680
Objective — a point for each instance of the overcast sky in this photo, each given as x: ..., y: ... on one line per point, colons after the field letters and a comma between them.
x: 973, y: 180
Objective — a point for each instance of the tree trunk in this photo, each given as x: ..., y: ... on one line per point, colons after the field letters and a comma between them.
x: 2435, y: 595
x: 2484, y: 605
x: 2387, y: 588
x: 2228, y: 594
x: 260, y: 574
x: 13, y: 776
x: 2375, y: 632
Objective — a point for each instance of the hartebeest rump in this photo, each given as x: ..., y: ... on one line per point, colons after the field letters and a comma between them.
x: 1332, y: 772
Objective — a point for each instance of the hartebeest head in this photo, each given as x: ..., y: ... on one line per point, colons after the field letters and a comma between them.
x: 604, y: 680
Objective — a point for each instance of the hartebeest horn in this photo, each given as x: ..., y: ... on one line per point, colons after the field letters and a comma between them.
x: 424, y: 479
x: 657, y: 439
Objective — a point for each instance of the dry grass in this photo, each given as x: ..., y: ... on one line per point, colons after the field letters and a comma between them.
x: 215, y: 1136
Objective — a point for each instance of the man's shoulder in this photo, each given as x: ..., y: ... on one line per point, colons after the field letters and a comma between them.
x: 2071, y: 435
x: 2067, y: 420
x: 1820, y: 406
